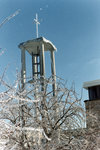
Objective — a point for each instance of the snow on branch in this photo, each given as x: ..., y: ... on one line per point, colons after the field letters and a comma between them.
x: 9, y: 17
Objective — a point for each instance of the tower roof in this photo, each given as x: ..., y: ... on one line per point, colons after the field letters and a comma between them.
x: 32, y: 45
x: 89, y: 84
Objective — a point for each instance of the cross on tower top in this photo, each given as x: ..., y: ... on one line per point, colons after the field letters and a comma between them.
x: 37, y: 23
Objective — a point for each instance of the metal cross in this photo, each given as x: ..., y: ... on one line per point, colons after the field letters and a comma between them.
x: 37, y: 23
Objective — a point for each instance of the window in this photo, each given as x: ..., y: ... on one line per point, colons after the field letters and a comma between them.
x: 94, y: 92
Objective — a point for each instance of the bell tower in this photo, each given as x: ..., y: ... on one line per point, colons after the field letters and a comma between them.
x: 37, y: 49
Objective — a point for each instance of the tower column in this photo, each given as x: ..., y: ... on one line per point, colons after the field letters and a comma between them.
x: 23, y: 68
x: 42, y: 61
x: 23, y: 80
x: 53, y: 70
x: 42, y: 65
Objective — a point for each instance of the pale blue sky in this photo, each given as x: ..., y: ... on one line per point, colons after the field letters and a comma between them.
x: 72, y: 25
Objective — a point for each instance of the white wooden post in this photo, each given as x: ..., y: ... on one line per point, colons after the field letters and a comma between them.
x: 42, y: 61
x: 53, y: 70
x: 56, y: 108
x: 23, y: 68
x: 42, y: 75
x: 23, y: 80
x: 42, y: 66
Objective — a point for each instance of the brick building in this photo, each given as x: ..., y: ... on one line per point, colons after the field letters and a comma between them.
x: 93, y: 104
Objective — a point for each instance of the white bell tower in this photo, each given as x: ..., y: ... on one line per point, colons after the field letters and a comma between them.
x: 37, y: 49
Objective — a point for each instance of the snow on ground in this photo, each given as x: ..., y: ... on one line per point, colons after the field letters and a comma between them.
x: 2, y: 144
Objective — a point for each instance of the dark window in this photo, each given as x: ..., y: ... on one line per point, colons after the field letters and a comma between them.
x: 94, y: 92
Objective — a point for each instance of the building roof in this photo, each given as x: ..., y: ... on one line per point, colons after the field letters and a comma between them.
x: 93, y: 83
x: 32, y: 45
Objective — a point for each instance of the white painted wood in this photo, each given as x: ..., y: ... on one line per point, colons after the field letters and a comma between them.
x: 42, y: 66
x: 23, y: 67
x: 42, y: 61
x: 53, y: 70
x: 31, y: 45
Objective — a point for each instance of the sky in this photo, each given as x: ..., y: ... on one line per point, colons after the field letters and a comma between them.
x: 73, y: 26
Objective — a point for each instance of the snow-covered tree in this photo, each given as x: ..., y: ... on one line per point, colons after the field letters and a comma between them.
x: 34, y: 118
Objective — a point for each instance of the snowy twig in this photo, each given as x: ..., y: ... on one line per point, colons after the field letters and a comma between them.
x: 9, y: 17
